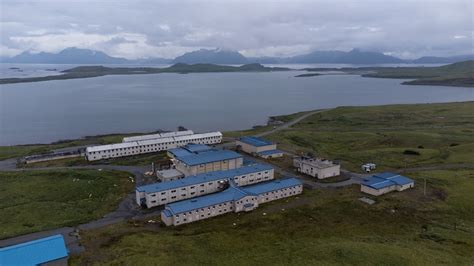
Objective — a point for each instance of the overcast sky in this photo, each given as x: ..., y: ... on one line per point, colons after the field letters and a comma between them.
x: 140, y: 29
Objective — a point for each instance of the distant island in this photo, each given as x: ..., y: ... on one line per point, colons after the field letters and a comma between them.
x: 459, y: 74
x: 98, y: 71
x: 307, y: 75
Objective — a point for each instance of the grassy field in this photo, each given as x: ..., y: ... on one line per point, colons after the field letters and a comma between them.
x: 136, y: 160
x: 320, y: 227
x: 7, y: 152
x: 439, y: 133
x: 40, y: 200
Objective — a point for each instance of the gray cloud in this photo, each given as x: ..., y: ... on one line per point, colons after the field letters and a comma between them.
x: 137, y: 29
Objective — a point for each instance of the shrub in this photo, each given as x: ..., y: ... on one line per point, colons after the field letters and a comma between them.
x: 411, y: 152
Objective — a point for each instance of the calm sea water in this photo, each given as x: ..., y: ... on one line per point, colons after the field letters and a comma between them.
x: 43, y: 112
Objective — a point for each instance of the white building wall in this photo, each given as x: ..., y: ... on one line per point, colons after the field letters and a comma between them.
x: 278, y: 194
x: 208, y: 167
x: 377, y: 192
x: 163, y: 197
x: 253, y: 178
x: 245, y: 147
x: 247, y: 203
x: 407, y: 186
x: 148, y: 146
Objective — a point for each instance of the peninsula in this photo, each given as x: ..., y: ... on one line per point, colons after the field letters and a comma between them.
x: 97, y: 71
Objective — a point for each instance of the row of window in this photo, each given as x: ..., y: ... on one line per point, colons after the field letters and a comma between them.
x: 162, y: 145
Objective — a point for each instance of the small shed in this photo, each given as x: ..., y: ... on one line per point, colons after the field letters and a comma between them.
x: 383, y: 183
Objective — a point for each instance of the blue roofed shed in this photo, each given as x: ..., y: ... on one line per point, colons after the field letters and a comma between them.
x: 36, y: 252
x: 379, y: 184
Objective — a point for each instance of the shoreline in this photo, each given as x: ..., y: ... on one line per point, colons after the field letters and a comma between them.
x: 270, y: 120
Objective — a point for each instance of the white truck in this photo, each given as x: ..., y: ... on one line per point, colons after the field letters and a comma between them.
x: 368, y: 167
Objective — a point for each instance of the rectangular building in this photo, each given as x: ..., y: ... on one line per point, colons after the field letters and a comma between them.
x: 158, y: 136
x: 208, y: 161
x: 101, y: 152
x: 254, y: 145
x: 44, y: 251
x: 169, y: 175
x: 192, y: 186
x: 233, y: 199
x: 315, y: 167
x: 383, y: 183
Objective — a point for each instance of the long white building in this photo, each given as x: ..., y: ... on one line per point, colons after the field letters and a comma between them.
x: 193, y: 186
x: 233, y: 199
x: 100, y: 152
x: 158, y: 136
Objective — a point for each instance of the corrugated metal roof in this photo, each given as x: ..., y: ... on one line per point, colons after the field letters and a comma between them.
x: 202, y: 178
x: 157, y: 136
x: 34, y: 252
x: 192, y: 147
x: 231, y: 194
x: 386, y: 179
x: 255, y: 141
x: 270, y: 152
x: 265, y: 187
x: 208, y: 157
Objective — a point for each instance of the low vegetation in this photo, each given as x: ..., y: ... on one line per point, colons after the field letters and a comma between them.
x: 7, y: 152
x: 329, y: 226
x: 458, y: 74
x: 33, y: 201
x: 393, y: 137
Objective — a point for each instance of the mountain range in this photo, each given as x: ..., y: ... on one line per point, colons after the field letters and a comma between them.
x: 218, y: 56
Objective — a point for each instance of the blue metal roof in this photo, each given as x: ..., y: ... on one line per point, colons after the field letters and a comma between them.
x: 202, y: 178
x: 272, y: 185
x: 34, y: 252
x: 270, y: 152
x: 230, y: 194
x: 208, y: 157
x: 255, y: 141
x: 192, y: 147
x: 379, y: 181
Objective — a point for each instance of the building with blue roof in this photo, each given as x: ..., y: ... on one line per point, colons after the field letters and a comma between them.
x: 44, y: 251
x: 198, y: 160
x: 259, y: 147
x: 232, y: 199
x: 201, y: 184
x: 189, y: 149
x: 383, y: 183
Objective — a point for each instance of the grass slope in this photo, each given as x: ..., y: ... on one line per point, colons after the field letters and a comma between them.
x: 40, y: 200
x: 440, y: 133
x: 320, y: 227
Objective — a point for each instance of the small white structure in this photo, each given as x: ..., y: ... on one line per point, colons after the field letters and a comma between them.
x: 368, y: 167
x: 95, y: 153
x: 383, y: 183
x: 315, y: 167
x: 258, y: 146
x: 158, y: 136
x: 169, y: 175
x: 233, y: 199
x: 193, y: 186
